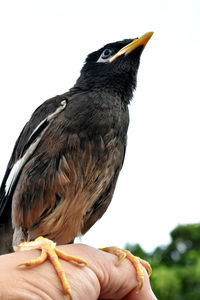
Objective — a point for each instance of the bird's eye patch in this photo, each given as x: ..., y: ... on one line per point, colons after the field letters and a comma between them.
x: 105, y: 55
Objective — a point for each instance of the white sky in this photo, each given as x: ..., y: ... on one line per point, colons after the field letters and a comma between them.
x: 43, y: 47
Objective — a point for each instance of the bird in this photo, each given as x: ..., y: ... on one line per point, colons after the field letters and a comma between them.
x: 65, y: 164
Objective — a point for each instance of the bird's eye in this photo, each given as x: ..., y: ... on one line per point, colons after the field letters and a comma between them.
x: 106, y: 53
x: 105, y: 56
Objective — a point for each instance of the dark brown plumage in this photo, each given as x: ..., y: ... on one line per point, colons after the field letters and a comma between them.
x: 65, y: 164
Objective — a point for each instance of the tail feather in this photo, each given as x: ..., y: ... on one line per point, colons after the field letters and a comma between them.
x: 6, y: 231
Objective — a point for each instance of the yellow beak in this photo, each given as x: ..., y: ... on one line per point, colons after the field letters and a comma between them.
x: 142, y: 41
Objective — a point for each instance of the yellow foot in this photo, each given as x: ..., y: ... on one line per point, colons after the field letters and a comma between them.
x: 136, y: 262
x: 49, y: 251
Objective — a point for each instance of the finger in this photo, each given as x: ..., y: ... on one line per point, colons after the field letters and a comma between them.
x: 145, y: 293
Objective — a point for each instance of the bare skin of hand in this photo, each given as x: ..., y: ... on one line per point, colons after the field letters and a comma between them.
x: 100, y: 279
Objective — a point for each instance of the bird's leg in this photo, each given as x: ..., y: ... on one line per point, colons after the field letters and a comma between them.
x: 49, y: 251
x: 136, y: 262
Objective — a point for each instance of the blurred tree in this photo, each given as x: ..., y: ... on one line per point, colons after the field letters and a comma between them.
x: 176, y: 267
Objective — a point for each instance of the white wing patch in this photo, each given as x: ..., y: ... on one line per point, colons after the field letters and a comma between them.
x: 50, y: 117
x: 21, y: 162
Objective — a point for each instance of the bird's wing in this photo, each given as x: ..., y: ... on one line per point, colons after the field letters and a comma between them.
x: 25, y: 146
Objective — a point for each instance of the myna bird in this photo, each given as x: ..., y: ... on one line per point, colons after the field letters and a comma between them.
x: 65, y: 164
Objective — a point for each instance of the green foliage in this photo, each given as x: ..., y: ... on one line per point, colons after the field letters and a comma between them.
x: 176, y: 267
x: 165, y: 283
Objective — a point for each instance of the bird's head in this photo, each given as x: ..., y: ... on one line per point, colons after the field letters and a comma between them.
x: 113, y: 68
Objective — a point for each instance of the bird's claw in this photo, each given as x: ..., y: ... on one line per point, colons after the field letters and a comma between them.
x: 136, y: 262
x: 49, y: 251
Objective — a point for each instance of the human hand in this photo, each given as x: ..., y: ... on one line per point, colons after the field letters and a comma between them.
x: 100, y: 279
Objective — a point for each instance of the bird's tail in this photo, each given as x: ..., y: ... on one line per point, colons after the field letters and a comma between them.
x: 6, y: 231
